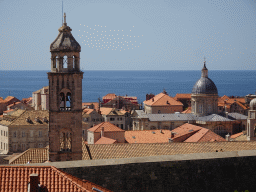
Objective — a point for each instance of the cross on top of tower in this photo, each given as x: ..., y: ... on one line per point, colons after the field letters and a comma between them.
x: 64, y: 18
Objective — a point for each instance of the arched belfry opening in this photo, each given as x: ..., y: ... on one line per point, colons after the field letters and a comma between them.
x: 65, y: 62
x: 65, y: 97
x: 65, y: 100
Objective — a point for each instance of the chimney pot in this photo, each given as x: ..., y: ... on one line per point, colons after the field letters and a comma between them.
x: 228, y: 137
x: 102, y: 132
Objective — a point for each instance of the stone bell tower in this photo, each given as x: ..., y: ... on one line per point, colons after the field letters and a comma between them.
x: 65, y: 97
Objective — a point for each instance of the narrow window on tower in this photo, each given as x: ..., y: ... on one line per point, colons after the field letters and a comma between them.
x: 74, y: 62
x: 62, y: 101
x: 68, y: 101
x: 55, y: 62
x: 65, y: 62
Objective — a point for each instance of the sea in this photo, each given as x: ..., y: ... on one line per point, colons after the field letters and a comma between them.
x: 96, y: 84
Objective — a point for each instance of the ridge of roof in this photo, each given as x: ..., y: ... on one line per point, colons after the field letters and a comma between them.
x: 108, y: 127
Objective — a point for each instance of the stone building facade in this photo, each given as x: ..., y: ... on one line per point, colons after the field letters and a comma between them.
x: 40, y: 99
x: 65, y: 97
x: 29, y: 130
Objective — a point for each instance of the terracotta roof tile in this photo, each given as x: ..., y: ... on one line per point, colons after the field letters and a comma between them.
x: 108, y: 127
x: 236, y: 135
x: 120, y: 150
x: 148, y: 136
x: 162, y: 100
x: 109, y: 96
x: 188, y: 110
x: 185, y: 131
x: 105, y: 110
x: 105, y: 140
x: 32, y: 115
x: 204, y: 135
x: 37, y: 155
x: 16, y: 178
x: 88, y: 111
x: 183, y: 96
x: 241, y: 105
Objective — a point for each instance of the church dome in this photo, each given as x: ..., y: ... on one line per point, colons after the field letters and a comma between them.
x: 65, y: 40
x: 204, y: 85
x: 253, y: 104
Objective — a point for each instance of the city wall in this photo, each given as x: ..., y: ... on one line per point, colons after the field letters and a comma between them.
x: 220, y: 171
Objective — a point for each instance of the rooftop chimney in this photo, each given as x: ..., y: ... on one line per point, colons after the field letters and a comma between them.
x: 34, y: 181
x: 102, y: 132
x: 228, y: 137
x: 172, y: 134
x: 170, y: 140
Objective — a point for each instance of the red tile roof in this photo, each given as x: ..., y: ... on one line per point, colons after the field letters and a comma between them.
x: 16, y: 178
x: 108, y: 127
x: 148, y: 136
x: 105, y: 110
x: 236, y: 135
x: 204, y: 135
x: 188, y: 110
x: 182, y: 96
x: 15, y: 103
x: 185, y: 131
x: 162, y: 100
x: 109, y: 96
x: 105, y: 140
x: 88, y: 111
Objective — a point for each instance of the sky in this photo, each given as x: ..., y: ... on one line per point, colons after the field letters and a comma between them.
x: 132, y: 34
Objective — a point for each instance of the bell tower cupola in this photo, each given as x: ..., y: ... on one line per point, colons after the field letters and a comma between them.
x: 65, y: 97
x: 65, y: 51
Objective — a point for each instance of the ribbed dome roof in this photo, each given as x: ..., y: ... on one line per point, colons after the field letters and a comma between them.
x: 253, y: 104
x: 204, y: 86
x: 65, y: 40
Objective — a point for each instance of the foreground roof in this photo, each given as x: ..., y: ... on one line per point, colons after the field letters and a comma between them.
x: 127, y: 150
x: 16, y: 178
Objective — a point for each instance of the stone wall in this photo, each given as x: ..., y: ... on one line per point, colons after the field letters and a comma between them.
x: 220, y: 171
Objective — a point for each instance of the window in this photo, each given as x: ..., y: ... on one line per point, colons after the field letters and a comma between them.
x: 83, y: 132
x: 74, y: 62
x: 23, y: 146
x: 4, y: 133
x: 117, y: 125
x: 200, y: 108
x: 40, y: 145
x: 1, y: 145
x: 65, y: 62
x: 159, y: 111
x: 40, y: 134
x: 14, y: 134
x: 65, y: 101
x: 1, y: 132
x: 120, y: 118
x: 4, y: 146
x: 122, y: 126
x: 31, y: 133
x: 14, y: 147
x: 112, y: 119
x: 23, y: 134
